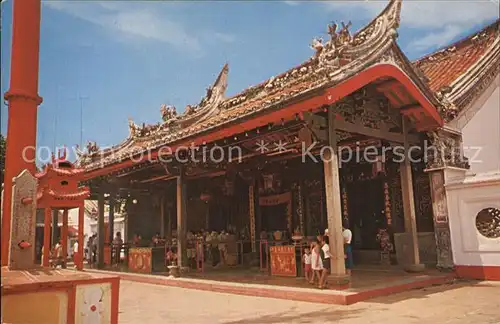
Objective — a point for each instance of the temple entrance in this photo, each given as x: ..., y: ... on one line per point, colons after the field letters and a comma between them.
x: 276, y: 213
x: 366, y: 213
x: 274, y: 218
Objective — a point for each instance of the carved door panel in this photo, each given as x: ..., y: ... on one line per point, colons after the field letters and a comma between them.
x: 366, y: 212
x: 315, y: 213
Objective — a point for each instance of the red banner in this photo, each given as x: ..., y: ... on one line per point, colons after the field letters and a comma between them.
x: 139, y: 260
x: 283, y: 261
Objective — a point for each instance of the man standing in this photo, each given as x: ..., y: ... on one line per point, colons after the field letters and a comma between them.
x: 117, y: 247
x: 76, y: 255
x: 347, y: 234
x: 95, y: 244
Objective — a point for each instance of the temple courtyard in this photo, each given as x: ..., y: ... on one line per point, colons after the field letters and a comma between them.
x: 456, y: 303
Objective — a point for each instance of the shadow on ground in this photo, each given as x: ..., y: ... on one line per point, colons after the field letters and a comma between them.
x: 325, y: 315
x: 419, y: 293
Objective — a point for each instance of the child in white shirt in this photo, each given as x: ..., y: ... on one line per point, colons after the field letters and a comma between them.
x: 316, y: 262
x: 307, y: 263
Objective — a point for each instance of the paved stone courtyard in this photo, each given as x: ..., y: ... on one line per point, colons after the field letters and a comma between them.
x: 458, y: 303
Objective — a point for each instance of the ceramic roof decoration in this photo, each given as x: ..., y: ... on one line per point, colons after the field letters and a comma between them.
x: 334, y: 61
x: 460, y: 71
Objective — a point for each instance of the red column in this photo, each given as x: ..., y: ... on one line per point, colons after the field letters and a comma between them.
x: 46, y: 236
x: 64, y: 236
x: 23, y: 101
x: 81, y: 212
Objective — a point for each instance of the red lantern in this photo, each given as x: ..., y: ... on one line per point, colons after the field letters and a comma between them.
x: 205, y: 197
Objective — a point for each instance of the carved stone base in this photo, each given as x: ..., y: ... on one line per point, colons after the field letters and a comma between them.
x: 414, y: 268
x: 444, y: 249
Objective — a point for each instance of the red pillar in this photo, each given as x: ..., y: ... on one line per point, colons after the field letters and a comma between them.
x: 64, y: 236
x: 46, y: 237
x: 81, y: 212
x: 23, y: 101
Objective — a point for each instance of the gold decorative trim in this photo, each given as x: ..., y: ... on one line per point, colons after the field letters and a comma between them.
x: 251, y: 212
x: 387, y: 201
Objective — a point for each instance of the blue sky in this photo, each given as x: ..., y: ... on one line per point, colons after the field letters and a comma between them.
x: 127, y: 58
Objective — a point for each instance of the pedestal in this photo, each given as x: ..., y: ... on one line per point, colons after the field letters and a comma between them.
x: 58, y: 296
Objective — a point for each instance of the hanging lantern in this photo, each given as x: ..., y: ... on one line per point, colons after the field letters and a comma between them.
x: 378, y: 167
x: 268, y: 181
x: 228, y: 187
x: 205, y: 197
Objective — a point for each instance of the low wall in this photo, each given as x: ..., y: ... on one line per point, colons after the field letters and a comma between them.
x: 474, y: 217
x: 426, y: 245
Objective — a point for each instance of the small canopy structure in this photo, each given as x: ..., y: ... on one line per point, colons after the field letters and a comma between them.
x: 58, y: 189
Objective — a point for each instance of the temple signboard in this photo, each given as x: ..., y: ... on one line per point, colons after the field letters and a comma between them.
x: 139, y: 260
x: 283, y: 262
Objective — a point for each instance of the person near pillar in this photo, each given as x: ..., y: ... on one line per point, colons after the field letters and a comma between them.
x: 90, y: 244
x: 76, y: 254
x: 325, y: 258
x: 307, y: 263
x: 95, y: 245
x: 316, y: 262
x: 58, y: 253
x: 117, y: 247
x: 347, y: 234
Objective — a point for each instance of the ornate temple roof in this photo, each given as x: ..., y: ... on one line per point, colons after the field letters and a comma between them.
x: 59, y: 181
x: 333, y: 62
x: 453, y: 70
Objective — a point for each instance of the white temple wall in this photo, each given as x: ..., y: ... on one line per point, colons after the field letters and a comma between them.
x: 475, y: 254
x: 480, y: 127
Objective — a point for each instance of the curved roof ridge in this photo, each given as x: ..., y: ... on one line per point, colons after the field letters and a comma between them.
x: 461, y: 42
x: 392, y: 8
x: 342, y: 56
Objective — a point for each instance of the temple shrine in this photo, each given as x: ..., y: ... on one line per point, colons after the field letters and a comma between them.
x: 58, y: 189
x: 355, y: 137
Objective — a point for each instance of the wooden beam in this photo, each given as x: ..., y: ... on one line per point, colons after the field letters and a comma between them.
x: 100, y: 230
x: 64, y: 237
x: 377, y: 133
x: 181, y: 221
x: 46, y: 237
x: 111, y: 218
x: 409, y: 202
x: 55, y: 225
x: 333, y: 200
x: 81, y: 222
x: 411, y: 108
x: 162, y: 215
x: 208, y: 175
x: 163, y: 177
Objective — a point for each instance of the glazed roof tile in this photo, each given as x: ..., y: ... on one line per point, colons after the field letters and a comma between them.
x: 445, y: 66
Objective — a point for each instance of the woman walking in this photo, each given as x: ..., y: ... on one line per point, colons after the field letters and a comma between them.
x: 316, y: 263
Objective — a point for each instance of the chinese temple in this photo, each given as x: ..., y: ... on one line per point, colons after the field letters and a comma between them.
x: 260, y: 173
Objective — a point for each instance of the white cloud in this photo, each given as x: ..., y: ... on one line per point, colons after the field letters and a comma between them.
x: 223, y: 37
x: 137, y: 21
x: 437, y: 39
x: 292, y: 3
x: 440, y: 21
